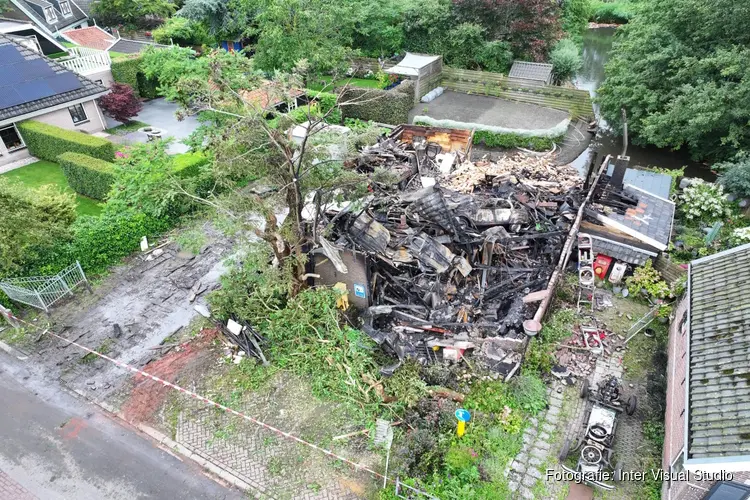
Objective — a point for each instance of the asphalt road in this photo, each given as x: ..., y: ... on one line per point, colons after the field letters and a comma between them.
x: 54, y: 446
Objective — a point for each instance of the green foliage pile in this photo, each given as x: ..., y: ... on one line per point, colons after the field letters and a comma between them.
x: 47, y: 142
x: 681, y: 70
x: 508, y: 141
x: 182, y: 31
x: 129, y: 70
x: 613, y: 12
x: 33, y: 221
x: 382, y: 106
x: 539, y: 357
x: 566, y: 60
x: 87, y: 176
x: 648, y: 278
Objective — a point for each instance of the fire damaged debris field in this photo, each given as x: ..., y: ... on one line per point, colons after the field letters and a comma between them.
x: 457, y: 267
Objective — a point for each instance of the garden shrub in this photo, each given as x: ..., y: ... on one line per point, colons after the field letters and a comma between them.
x: 47, y: 142
x: 326, y: 102
x: 617, y: 12
x: 382, y: 106
x: 705, y: 202
x: 88, y: 176
x: 735, y: 176
x: 182, y: 31
x: 566, y: 60
x: 507, y: 141
x: 647, y: 278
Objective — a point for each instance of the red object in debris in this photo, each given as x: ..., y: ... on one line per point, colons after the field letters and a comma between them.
x: 601, y: 265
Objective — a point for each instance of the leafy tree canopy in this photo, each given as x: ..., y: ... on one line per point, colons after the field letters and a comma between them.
x: 132, y: 12
x: 681, y: 70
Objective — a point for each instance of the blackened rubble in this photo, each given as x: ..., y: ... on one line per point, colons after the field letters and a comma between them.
x: 449, y: 270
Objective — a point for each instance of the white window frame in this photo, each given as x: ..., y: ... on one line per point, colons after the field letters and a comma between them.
x: 83, y: 110
x: 17, y: 148
x: 50, y: 15
x: 65, y: 8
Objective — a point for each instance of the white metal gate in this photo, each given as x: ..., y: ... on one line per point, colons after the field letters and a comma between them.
x: 43, y: 291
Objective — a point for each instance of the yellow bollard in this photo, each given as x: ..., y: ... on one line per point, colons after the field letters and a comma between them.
x: 343, y: 301
x: 462, y: 416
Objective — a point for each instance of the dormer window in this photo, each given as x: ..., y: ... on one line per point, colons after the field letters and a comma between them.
x: 65, y: 8
x: 50, y: 14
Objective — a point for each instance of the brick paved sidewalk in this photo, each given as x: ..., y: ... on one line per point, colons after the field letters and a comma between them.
x: 11, y: 490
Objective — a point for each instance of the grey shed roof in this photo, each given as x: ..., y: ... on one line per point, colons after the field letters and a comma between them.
x: 652, y: 217
x: 718, y: 422
x: 626, y: 253
x: 88, y: 88
x: 126, y: 46
x: 539, y: 72
x: 653, y: 182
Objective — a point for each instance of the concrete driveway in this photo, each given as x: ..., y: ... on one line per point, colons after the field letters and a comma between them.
x: 160, y: 114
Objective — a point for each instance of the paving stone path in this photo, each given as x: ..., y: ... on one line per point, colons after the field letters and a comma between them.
x: 11, y: 490
x: 275, y: 467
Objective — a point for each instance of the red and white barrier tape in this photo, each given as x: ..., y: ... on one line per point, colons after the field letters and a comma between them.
x: 210, y: 402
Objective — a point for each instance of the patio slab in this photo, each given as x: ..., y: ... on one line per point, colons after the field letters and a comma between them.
x: 493, y: 111
x: 160, y: 114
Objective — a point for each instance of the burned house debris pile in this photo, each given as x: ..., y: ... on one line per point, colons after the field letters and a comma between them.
x: 454, y: 266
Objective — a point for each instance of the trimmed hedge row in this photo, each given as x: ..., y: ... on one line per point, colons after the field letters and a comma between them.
x: 128, y: 70
x: 383, y: 106
x: 88, y: 176
x: 188, y: 164
x: 47, y: 142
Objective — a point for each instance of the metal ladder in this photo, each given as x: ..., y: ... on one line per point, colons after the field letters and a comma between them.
x: 586, y: 285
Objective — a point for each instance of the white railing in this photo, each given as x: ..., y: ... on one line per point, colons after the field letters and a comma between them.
x: 85, y: 61
x: 43, y: 291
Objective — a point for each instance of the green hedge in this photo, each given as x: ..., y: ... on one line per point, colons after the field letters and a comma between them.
x: 508, y: 141
x: 88, y: 176
x: 383, y: 106
x: 128, y: 70
x: 188, y: 164
x: 326, y: 102
x: 47, y: 142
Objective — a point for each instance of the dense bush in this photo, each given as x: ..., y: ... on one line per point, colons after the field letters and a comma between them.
x: 326, y: 101
x: 735, y: 175
x: 128, y: 70
x: 508, y: 141
x: 575, y: 16
x: 188, y: 164
x: 47, y: 142
x: 618, y: 12
x: 382, y: 106
x: 32, y: 222
x: 182, y: 31
x: 88, y: 176
x: 566, y: 60
x: 704, y: 202
x: 647, y: 278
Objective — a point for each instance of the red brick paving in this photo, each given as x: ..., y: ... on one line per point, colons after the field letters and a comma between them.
x: 11, y: 490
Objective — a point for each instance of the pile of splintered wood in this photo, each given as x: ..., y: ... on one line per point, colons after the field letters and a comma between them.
x: 535, y: 171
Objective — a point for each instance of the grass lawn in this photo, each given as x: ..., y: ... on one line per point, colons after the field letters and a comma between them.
x: 316, y: 83
x: 126, y: 128
x: 38, y: 174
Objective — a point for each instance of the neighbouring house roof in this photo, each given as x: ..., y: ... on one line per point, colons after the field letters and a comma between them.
x: 718, y: 378
x: 92, y: 37
x: 125, y: 46
x: 411, y: 64
x: 25, y: 29
x: 85, y: 6
x: 30, y: 82
x: 539, y: 72
x: 264, y: 96
x: 35, y: 11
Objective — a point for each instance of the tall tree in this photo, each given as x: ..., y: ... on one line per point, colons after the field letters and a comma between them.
x: 142, y: 13
x: 681, y: 70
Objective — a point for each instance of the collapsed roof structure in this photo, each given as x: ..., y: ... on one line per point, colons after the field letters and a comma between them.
x: 452, y: 259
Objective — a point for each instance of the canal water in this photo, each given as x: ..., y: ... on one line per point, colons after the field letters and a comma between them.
x: 597, y: 45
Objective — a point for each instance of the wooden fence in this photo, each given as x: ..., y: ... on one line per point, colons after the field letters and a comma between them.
x: 670, y: 271
x: 577, y: 102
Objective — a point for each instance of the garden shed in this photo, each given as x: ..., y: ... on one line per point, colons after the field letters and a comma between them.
x: 424, y: 70
x: 531, y: 72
